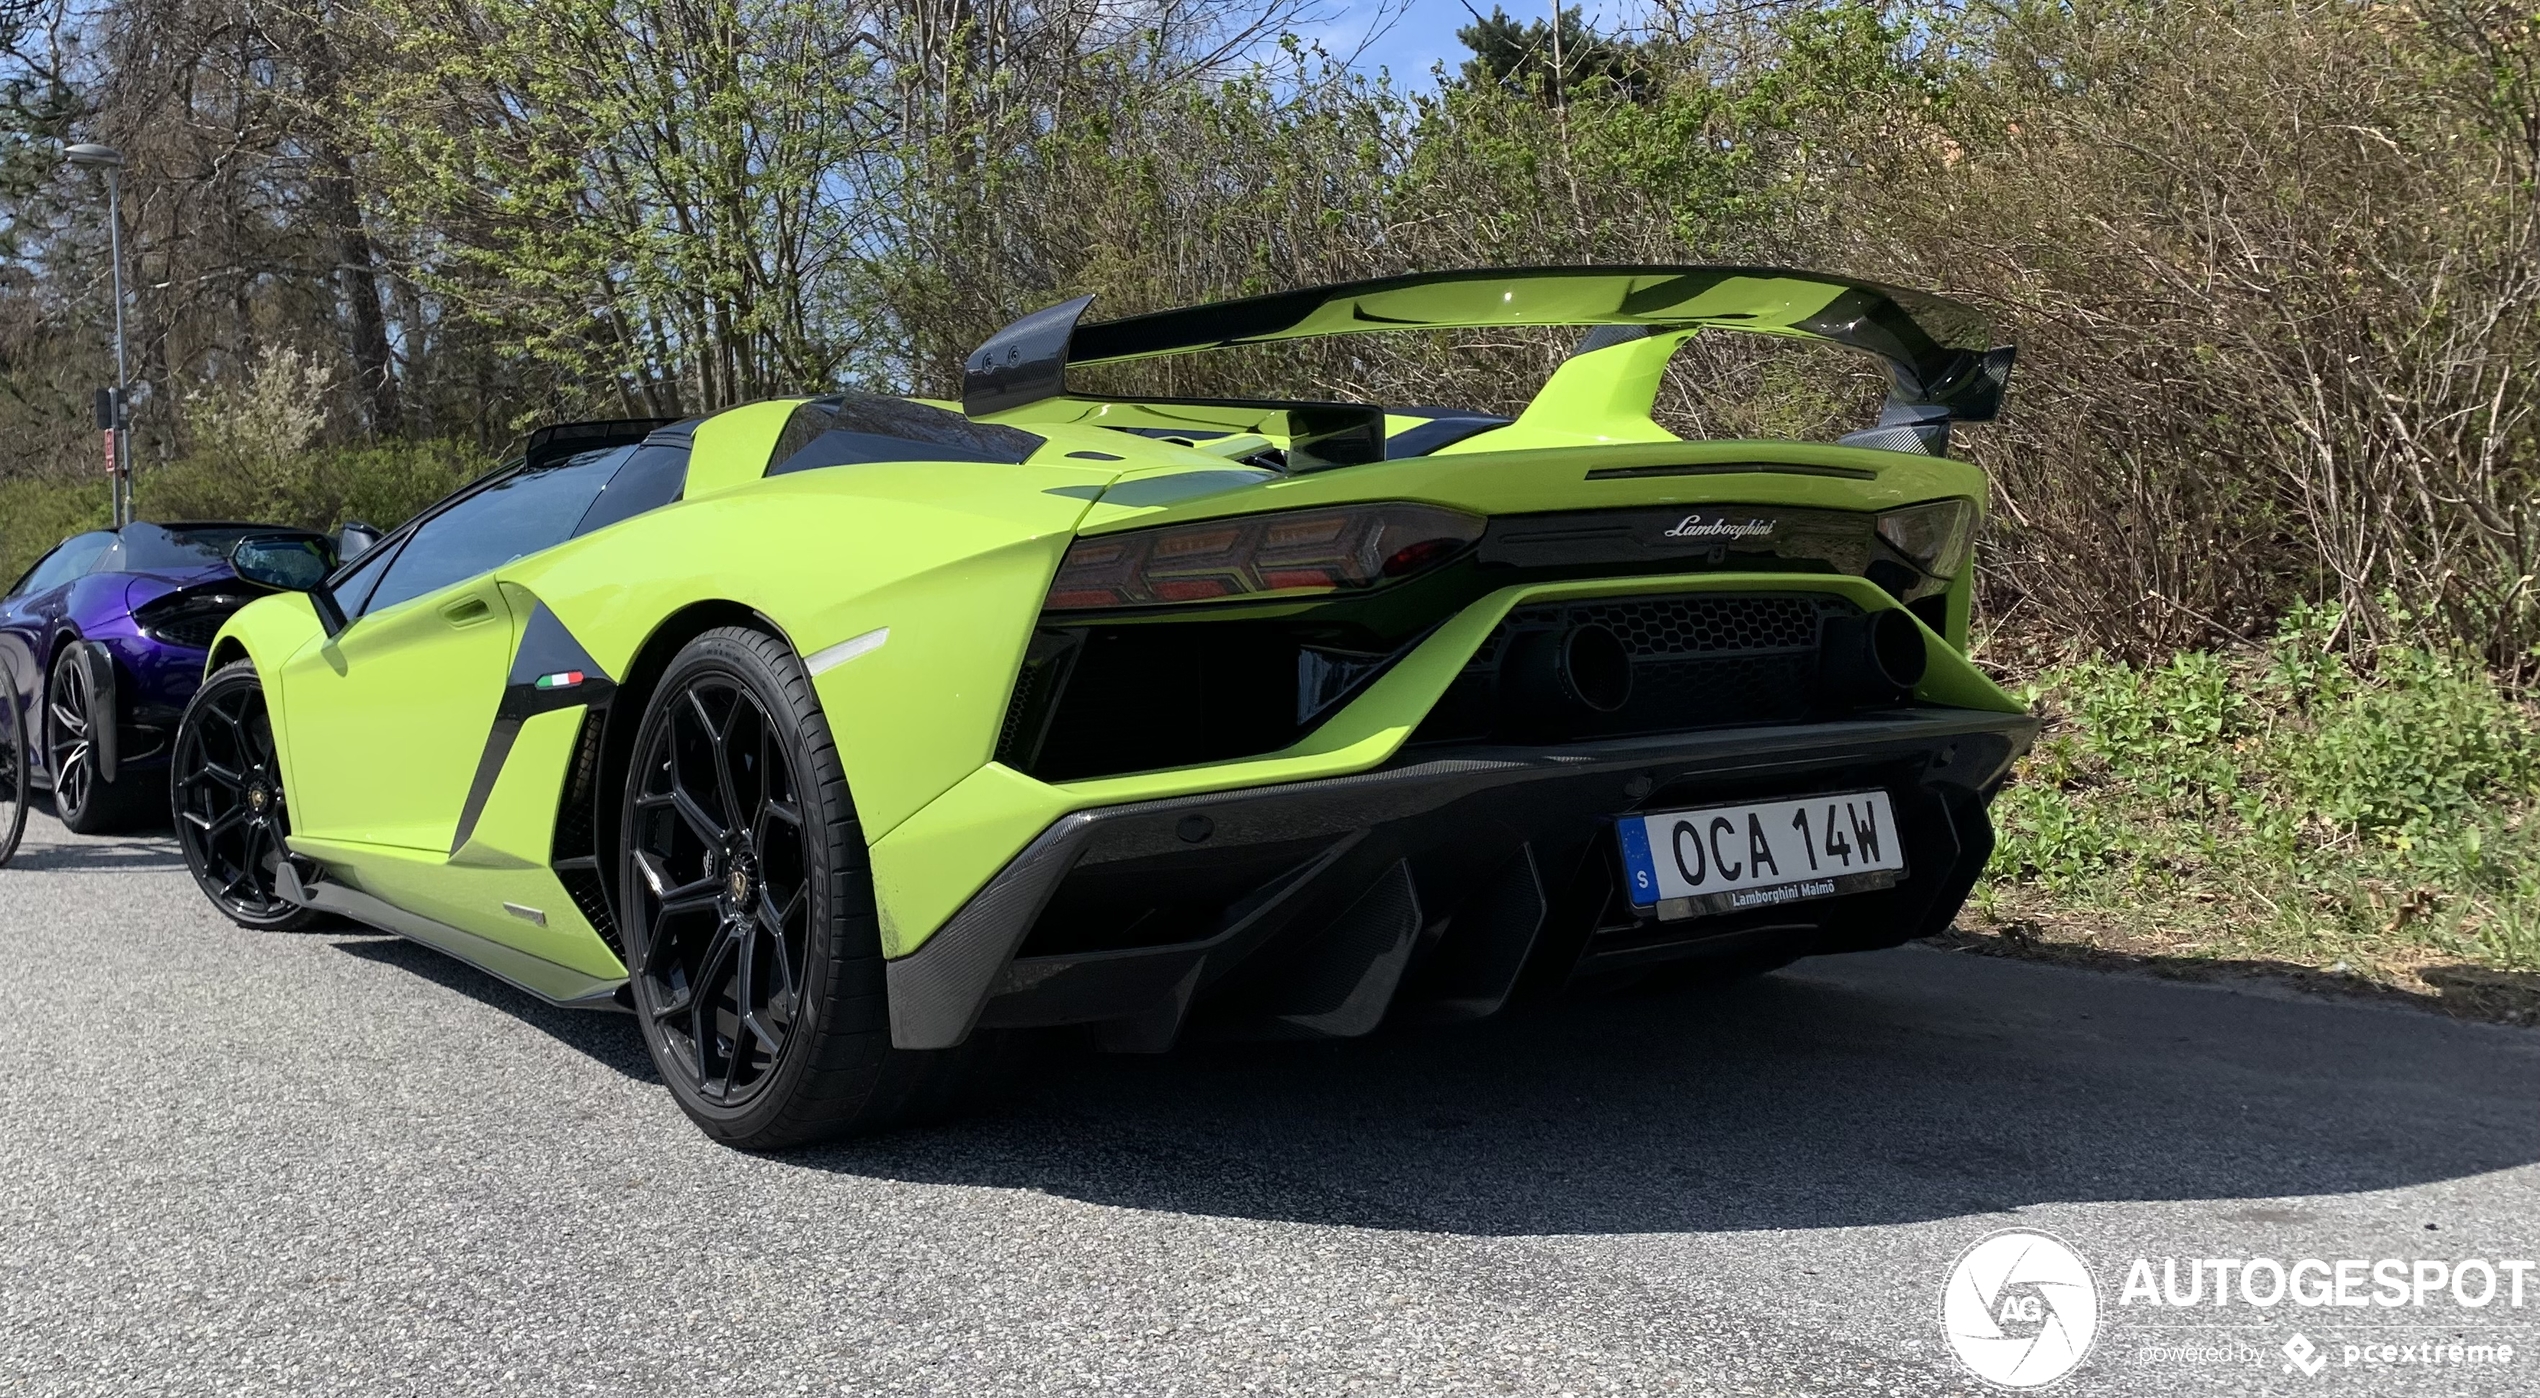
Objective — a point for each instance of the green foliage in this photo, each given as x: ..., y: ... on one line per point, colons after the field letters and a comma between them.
x: 318, y: 488
x: 2312, y: 803
x: 382, y: 485
x: 256, y: 458
x: 1544, y: 59
x: 249, y: 434
x: 629, y: 193
x: 37, y: 512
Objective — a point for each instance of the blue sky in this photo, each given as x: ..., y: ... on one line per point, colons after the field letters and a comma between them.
x: 1424, y: 34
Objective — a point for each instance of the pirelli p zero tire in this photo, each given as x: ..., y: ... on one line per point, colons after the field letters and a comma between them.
x: 226, y: 798
x: 753, y: 950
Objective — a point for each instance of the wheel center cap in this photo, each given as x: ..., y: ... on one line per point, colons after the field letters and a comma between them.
x: 740, y: 876
x: 258, y: 798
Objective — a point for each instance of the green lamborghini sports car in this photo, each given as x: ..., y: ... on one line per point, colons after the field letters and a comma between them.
x: 836, y: 736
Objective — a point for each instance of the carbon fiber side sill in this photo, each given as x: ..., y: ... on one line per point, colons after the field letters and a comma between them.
x: 557, y: 985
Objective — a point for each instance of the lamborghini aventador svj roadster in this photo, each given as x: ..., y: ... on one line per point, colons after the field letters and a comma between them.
x: 832, y: 736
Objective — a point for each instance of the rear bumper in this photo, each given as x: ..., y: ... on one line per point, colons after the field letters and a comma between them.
x: 1441, y: 885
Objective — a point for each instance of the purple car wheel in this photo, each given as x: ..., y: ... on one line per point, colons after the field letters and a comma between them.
x: 231, y: 818
x: 76, y: 716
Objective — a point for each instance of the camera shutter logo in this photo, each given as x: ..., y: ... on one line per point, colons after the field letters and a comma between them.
x: 2020, y: 1309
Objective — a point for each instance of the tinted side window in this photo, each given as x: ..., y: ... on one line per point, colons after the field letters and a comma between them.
x: 67, y: 562
x: 515, y: 516
x: 26, y: 581
x: 145, y: 546
x: 652, y: 477
x: 352, y: 584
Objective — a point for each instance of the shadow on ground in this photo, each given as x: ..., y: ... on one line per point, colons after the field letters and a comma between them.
x: 46, y: 846
x: 605, y: 1037
x: 1902, y: 1086
x: 1863, y: 1090
x: 122, y: 854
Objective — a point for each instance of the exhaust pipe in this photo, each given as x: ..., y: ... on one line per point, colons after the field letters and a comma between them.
x: 1872, y: 659
x: 1551, y: 682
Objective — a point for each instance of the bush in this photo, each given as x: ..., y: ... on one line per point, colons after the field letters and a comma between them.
x: 2293, y: 801
x: 382, y: 485
x: 253, y: 458
x: 37, y: 512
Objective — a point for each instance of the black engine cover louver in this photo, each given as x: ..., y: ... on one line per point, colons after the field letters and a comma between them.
x: 1701, y: 660
x: 1105, y: 699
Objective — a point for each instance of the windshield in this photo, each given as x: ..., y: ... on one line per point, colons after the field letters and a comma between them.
x: 159, y: 547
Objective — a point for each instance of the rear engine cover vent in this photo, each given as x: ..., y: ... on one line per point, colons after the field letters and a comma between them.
x: 1677, y: 627
x: 193, y: 616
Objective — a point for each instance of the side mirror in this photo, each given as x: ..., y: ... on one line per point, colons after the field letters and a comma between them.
x: 354, y: 540
x: 290, y: 565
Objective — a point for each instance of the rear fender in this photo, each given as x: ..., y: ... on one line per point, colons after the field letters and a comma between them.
x: 98, y: 665
x: 908, y: 591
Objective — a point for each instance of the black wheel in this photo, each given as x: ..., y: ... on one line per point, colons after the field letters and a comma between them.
x: 73, y: 713
x: 226, y: 792
x: 754, y: 954
x: 16, y: 774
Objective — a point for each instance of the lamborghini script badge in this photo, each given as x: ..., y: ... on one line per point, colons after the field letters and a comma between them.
x: 1696, y: 527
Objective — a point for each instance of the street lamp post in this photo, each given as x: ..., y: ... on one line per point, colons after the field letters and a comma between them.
x: 91, y: 156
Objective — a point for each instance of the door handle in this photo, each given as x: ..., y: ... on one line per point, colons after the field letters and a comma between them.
x: 467, y: 611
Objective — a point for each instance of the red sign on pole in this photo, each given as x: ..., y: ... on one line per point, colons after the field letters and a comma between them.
x: 110, y: 451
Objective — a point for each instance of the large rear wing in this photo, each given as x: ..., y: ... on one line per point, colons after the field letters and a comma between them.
x: 1942, y: 363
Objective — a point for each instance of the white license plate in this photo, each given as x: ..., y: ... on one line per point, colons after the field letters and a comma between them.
x: 1729, y: 858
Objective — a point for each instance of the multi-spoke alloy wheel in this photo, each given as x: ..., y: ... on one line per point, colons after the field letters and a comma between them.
x: 753, y: 953
x: 726, y: 902
x: 231, y: 819
x: 71, y: 717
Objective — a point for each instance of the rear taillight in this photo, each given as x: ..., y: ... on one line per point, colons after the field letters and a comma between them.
x: 194, y: 616
x: 1294, y: 553
x: 1936, y: 536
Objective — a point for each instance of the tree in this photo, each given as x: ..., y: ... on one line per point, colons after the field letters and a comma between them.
x: 1557, y: 60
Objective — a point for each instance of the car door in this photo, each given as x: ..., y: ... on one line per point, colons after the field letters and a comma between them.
x: 30, y: 613
x: 387, y: 720
x: 41, y: 599
x: 32, y: 616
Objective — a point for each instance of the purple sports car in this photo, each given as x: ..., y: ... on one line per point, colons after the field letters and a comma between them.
x: 101, y: 644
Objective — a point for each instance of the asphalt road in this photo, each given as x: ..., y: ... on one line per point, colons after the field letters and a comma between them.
x: 234, y: 1163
